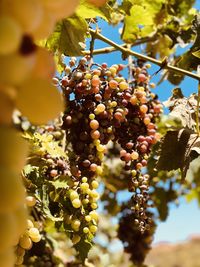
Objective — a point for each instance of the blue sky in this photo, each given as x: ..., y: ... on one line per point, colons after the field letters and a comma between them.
x: 183, y: 220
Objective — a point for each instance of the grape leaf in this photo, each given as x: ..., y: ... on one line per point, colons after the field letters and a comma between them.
x: 83, y: 247
x: 182, y: 108
x: 68, y: 36
x: 86, y: 10
x: 178, y: 150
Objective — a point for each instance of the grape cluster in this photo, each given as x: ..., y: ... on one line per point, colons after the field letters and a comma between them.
x: 102, y: 107
x: 30, y: 235
x: 26, y: 73
x: 137, y: 244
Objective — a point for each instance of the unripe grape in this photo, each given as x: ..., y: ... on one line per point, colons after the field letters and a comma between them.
x: 99, y: 170
x: 29, y: 224
x: 85, y: 201
x: 33, y: 232
x: 73, y: 195
x: 76, y: 239
x: 85, y: 230
x: 88, y: 218
x: 93, y: 228
x: 84, y: 180
x: 75, y: 225
x: 30, y: 201
x: 91, y: 116
x: 94, y: 206
x: 94, y: 215
x: 84, y: 187
x: 95, y: 184
x: 36, y: 239
x: 123, y: 85
x: 25, y: 242
x: 76, y: 203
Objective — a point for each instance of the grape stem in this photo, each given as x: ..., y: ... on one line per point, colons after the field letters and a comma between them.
x: 128, y: 52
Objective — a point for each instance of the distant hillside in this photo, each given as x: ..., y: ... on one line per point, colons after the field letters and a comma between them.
x: 186, y: 254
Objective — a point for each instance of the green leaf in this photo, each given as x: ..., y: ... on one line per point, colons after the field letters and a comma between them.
x: 132, y: 23
x: 59, y: 184
x: 69, y: 36
x: 83, y: 247
x: 87, y: 11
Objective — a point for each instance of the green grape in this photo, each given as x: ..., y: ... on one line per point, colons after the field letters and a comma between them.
x: 28, y: 13
x: 15, y: 68
x: 76, y: 203
x: 94, y: 215
x: 12, y: 193
x: 33, y: 232
x: 39, y: 110
x: 95, y: 184
x: 30, y: 201
x: 84, y: 187
x: 93, y: 228
x: 73, y: 195
x: 75, y: 225
x: 25, y: 242
x: 76, y: 239
x: 10, y: 140
x: 10, y: 35
x: 85, y: 230
x: 36, y: 239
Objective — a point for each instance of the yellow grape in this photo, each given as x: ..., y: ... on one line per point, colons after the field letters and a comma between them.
x: 46, y: 26
x: 28, y: 13
x: 33, y: 232
x: 30, y: 201
x: 7, y: 231
x: 10, y: 35
x: 25, y: 242
x: 39, y: 100
x: 15, y: 68
x: 36, y: 239
x: 21, y: 215
x: 44, y: 66
x: 12, y: 192
x: 60, y: 8
x: 13, y: 149
x: 7, y: 258
x: 7, y: 108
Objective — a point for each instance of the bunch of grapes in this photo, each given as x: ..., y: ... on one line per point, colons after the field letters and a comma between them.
x: 102, y: 107
x: 31, y: 234
x: 26, y: 84
x: 137, y: 244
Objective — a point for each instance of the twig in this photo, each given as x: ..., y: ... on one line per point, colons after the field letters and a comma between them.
x: 127, y: 52
x: 197, y: 111
x: 110, y: 49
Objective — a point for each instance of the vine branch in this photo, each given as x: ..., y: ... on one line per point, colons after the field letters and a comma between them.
x: 128, y: 52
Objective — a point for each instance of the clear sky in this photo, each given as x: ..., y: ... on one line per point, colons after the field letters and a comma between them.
x: 183, y: 220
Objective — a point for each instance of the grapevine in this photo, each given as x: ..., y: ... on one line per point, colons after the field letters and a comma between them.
x: 74, y: 133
